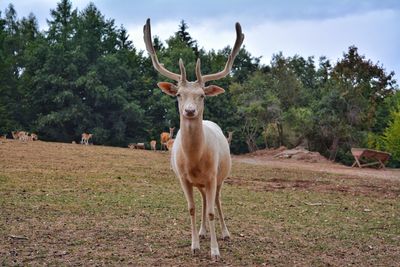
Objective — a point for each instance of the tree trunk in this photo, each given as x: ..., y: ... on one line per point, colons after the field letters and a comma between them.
x: 334, y: 148
x: 280, y: 132
x: 251, y: 144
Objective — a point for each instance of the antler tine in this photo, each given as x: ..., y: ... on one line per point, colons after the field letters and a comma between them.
x: 231, y: 57
x: 152, y: 52
x: 183, y: 71
x: 198, y: 71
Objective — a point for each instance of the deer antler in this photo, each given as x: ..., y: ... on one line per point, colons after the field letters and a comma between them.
x: 156, y: 64
x: 210, y: 77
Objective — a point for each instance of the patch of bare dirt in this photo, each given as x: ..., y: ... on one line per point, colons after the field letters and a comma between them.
x: 302, y: 159
x: 358, y: 187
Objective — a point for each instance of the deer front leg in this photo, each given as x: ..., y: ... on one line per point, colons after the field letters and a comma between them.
x: 203, y: 229
x: 225, y: 233
x: 210, y: 191
x: 188, y: 190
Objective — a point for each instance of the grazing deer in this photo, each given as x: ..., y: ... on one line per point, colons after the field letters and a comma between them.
x: 200, y: 156
x: 15, y: 135
x: 164, y: 137
x: 140, y: 146
x: 34, y: 137
x: 170, y: 143
x: 20, y: 135
x: 153, y: 144
x: 85, y: 138
x: 229, y: 138
x: 3, y: 138
x: 136, y: 146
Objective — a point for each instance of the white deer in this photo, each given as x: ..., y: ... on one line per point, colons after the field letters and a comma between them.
x: 200, y: 155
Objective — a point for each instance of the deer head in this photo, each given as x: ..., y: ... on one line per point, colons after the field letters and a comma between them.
x: 191, y: 94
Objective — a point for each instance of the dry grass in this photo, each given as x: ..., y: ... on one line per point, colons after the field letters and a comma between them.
x: 64, y: 204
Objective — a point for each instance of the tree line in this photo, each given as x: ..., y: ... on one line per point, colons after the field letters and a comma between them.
x: 83, y: 74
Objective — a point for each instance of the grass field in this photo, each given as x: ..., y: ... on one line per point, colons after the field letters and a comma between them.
x: 65, y: 204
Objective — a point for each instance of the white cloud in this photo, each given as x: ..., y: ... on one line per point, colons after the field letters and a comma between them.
x: 374, y: 33
x: 327, y: 37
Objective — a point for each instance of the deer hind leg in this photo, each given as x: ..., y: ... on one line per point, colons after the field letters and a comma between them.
x: 225, y: 233
x: 188, y: 190
x: 210, y: 192
x: 203, y: 229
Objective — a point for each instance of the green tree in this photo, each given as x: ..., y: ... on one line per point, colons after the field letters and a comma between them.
x: 391, y: 136
x: 364, y: 85
x: 257, y: 106
x: 9, y: 71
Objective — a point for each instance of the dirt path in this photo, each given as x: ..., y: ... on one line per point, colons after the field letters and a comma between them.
x: 326, y: 166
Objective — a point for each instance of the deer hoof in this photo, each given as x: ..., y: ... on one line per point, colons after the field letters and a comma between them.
x: 215, y: 258
x: 195, y: 251
x: 226, y: 238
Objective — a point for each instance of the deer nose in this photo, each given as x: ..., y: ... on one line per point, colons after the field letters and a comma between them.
x: 190, y: 111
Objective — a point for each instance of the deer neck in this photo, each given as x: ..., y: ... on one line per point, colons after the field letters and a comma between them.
x: 192, y: 137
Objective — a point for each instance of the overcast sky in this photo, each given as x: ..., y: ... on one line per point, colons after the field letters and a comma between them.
x: 307, y: 28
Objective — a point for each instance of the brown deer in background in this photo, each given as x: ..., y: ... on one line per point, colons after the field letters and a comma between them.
x: 164, y: 137
x: 170, y: 143
x: 85, y: 138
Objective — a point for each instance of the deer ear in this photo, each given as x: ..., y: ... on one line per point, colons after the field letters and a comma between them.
x: 168, y: 88
x: 213, y: 90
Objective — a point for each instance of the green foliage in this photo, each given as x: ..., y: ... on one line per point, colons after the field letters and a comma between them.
x: 386, y: 132
x: 374, y: 141
x: 392, y: 136
x: 297, y: 124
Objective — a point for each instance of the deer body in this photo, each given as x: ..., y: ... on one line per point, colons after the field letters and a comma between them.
x: 85, y: 138
x: 200, y: 146
x: 170, y: 144
x: 34, y: 137
x: 165, y: 137
x: 153, y: 144
x: 200, y: 156
x: 203, y: 156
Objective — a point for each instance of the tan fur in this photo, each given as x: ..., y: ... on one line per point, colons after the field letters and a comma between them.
x: 136, y: 146
x: 140, y: 146
x: 20, y: 135
x: 153, y: 144
x: 34, y: 137
x: 85, y: 138
x: 170, y: 143
x: 15, y: 134
x: 164, y: 137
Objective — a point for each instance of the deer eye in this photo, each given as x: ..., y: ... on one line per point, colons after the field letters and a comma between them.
x: 178, y: 95
x: 202, y: 96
